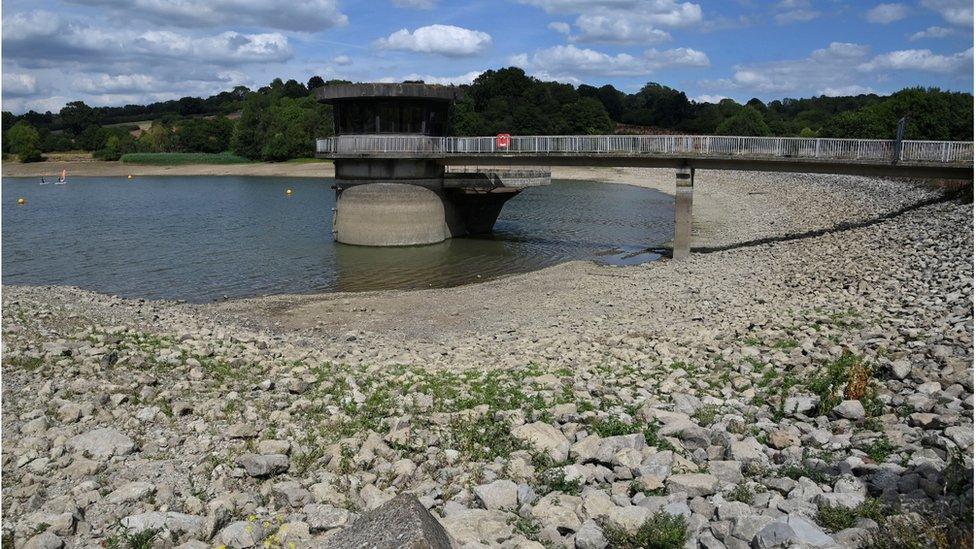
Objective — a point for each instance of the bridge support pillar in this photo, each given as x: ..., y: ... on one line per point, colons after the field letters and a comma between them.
x: 683, y: 192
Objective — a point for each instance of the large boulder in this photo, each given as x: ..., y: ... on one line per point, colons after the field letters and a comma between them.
x: 401, y: 522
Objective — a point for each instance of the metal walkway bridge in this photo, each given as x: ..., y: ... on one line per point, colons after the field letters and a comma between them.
x: 880, y: 157
x: 685, y: 153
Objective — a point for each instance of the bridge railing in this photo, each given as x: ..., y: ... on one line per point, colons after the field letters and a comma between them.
x: 865, y: 150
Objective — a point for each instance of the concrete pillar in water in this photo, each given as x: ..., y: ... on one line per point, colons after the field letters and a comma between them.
x: 391, y: 214
x: 683, y: 192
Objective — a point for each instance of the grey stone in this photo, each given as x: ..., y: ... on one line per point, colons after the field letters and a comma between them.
x: 849, y: 409
x: 628, y: 519
x: 171, y: 521
x: 590, y: 536
x: 324, y: 517
x: 544, y: 437
x: 45, y: 540
x: 501, y: 494
x: 748, y: 451
x: 900, y: 369
x: 962, y: 436
x: 263, y: 466
x: 102, y: 443
x: 793, y: 530
x: 129, y: 492
x: 400, y: 522
x: 728, y: 473
x: 693, y: 484
x: 242, y: 534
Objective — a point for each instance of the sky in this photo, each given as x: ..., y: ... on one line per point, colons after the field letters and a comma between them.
x: 117, y: 52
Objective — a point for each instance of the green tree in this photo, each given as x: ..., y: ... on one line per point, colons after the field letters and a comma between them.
x: 315, y: 82
x: 747, y: 122
x: 252, y: 126
x: 77, y: 116
x: 274, y: 128
x: 587, y: 116
x: 93, y: 138
x: 158, y: 138
x: 25, y: 142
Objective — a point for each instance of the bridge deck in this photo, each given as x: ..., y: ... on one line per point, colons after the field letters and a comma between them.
x: 948, y: 159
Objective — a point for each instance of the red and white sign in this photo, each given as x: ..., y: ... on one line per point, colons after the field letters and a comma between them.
x: 502, y: 140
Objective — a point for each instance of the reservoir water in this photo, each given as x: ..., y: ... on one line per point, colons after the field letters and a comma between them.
x: 206, y: 238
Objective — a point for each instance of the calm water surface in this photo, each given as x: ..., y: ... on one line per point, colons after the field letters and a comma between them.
x: 203, y: 238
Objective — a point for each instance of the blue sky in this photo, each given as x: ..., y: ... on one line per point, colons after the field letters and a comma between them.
x: 113, y: 52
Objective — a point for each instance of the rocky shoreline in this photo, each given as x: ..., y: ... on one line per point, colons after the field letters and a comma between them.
x: 807, y: 383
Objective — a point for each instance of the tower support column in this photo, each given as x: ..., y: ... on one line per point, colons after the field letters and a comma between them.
x: 683, y: 193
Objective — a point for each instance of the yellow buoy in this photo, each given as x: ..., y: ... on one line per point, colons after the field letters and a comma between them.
x: 288, y: 192
x: 21, y: 201
x: 130, y: 176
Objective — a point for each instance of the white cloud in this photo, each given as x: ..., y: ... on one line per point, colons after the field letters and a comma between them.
x: 706, y: 98
x: 559, y: 26
x: 88, y: 60
x: 853, y: 89
x: 956, y: 12
x: 794, y: 11
x: 440, y: 39
x: 305, y: 15
x: 119, y: 84
x: 341, y: 60
x: 931, y: 32
x: 560, y: 62
x: 18, y: 85
x: 883, y: 14
x: 920, y: 60
x: 841, y: 50
x: 623, y: 21
x: 839, y: 69
x: 415, y: 4
x: 40, y: 38
x: 618, y: 29
x: 465, y: 78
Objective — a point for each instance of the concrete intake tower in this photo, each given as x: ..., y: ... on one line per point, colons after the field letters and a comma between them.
x: 408, y: 199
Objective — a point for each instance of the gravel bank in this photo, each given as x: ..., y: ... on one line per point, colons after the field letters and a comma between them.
x: 793, y: 390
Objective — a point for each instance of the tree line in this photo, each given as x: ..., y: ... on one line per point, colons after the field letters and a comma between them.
x: 281, y: 120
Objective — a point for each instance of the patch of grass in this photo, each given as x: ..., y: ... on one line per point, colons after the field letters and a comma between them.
x: 786, y: 344
x: 554, y: 480
x: 661, y: 531
x: 612, y: 426
x: 796, y: 472
x: 24, y: 363
x: 880, y: 449
x: 742, y: 492
x: 528, y: 527
x: 179, y: 159
x: 910, y: 532
x: 956, y: 477
x: 839, y: 518
x: 483, y: 438
x: 705, y: 415
x: 123, y: 539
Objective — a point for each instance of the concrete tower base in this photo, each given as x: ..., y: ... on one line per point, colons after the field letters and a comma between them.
x: 391, y: 214
x: 401, y: 214
x: 402, y: 202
